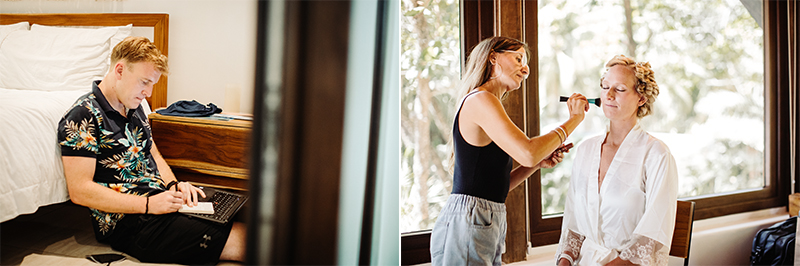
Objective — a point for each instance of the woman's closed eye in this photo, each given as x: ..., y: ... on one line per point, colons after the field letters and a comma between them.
x: 616, y: 89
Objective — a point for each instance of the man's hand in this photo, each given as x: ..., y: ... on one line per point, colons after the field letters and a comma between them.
x: 165, y: 202
x: 189, y: 196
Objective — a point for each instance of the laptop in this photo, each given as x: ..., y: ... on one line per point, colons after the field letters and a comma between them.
x: 226, y: 205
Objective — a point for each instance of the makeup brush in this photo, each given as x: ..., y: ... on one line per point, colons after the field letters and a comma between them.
x: 595, y: 101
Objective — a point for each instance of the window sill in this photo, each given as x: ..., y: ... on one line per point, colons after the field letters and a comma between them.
x: 724, y: 240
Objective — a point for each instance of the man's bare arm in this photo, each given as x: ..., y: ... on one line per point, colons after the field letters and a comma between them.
x: 79, y: 172
x: 163, y: 167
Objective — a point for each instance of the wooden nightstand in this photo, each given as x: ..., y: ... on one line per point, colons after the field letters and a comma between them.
x: 203, y: 151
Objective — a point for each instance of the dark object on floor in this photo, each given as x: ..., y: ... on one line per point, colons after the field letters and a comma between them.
x: 107, y: 258
x: 190, y: 109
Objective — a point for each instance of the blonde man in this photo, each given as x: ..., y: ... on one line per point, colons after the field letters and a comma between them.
x: 113, y: 167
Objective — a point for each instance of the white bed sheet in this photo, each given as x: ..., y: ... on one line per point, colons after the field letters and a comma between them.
x: 31, y: 174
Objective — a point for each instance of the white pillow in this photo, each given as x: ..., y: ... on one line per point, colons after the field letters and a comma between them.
x: 57, y: 58
x: 122, y: 31
x: 7, y: 29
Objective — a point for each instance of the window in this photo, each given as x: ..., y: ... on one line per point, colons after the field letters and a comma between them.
x: 709, y: 63
x: 429, y: 70
x: 747, y: 165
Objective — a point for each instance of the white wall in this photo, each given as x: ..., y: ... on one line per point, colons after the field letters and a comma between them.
x: 211, y: 43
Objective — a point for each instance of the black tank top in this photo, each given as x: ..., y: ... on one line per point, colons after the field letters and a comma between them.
x: 482, y: 172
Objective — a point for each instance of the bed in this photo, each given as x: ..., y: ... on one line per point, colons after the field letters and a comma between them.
x: 47, y: 61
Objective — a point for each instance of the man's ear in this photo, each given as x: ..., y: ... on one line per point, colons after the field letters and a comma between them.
x: 119, y: 67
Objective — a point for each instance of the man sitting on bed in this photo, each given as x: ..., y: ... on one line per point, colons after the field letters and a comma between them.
x: 113, y: 167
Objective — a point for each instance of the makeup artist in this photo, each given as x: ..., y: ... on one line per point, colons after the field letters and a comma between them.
x: 471, y: 228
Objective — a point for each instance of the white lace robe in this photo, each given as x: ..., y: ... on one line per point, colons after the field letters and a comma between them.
x: 633, y: 215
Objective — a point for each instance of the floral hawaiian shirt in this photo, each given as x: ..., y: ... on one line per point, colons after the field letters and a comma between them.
x: 91, y: 128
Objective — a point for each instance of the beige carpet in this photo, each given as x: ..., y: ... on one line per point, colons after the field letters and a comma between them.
x: 39, y: 259
x: 59, y: 234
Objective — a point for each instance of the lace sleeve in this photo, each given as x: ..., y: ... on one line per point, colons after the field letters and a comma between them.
x: 642, y: 250
x: 569, y: 246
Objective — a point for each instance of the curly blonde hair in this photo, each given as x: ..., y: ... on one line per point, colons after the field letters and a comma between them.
x: 645, y: 81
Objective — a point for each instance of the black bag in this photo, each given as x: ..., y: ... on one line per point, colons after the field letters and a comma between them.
x: 775, y: 245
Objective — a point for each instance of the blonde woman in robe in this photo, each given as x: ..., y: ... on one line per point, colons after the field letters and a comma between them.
x: 621, y: 201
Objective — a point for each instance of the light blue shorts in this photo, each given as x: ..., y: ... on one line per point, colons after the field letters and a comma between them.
x: 469, y: 231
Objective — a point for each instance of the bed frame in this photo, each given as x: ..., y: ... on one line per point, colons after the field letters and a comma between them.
x: 159, y: 22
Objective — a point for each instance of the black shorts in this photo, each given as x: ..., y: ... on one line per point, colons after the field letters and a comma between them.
x: 169, y: 238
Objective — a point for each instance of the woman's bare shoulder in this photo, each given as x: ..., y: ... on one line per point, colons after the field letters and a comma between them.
x: 482, y: 100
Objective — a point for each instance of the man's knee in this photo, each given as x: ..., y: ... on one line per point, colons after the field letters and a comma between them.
x: 235, y: 246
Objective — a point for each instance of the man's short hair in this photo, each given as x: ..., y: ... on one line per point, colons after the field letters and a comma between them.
x: 139, y: 49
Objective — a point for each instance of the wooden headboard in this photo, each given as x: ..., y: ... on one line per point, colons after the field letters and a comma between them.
x: 159, y: 22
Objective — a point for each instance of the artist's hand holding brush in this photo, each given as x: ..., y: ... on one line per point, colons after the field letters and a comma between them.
x: 578, y: 106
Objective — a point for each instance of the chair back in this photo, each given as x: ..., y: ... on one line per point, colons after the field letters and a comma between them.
x: 682, y: 235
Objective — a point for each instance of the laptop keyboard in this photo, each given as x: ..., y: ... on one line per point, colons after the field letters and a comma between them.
x: 223, y: 203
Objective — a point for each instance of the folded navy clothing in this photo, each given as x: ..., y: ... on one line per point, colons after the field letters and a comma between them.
x: 190, y: 109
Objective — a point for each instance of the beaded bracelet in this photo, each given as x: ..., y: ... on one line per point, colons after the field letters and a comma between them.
x: 564, y: 131
x: 171, y: 183
x: 559, y: 135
